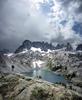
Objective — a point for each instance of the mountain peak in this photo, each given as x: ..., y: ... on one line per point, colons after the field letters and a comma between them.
x: 27, y: 44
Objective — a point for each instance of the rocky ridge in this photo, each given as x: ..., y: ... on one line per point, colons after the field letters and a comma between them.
x: 18, y: 87
x: 79, y: 47
x: 27, y: 44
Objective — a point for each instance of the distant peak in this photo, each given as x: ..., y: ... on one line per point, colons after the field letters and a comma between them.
x: 27, y: 44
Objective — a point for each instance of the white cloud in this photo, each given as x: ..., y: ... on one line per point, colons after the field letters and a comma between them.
x: 61, y: 13
x: 23, y: 19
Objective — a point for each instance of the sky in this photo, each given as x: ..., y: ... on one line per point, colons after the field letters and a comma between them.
x: 55, y: 21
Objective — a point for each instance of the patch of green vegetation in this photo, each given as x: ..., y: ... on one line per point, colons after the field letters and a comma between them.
x: 7, y: 85
x: 41, y: 94
x: 49, y: 63
x: 66, y: 96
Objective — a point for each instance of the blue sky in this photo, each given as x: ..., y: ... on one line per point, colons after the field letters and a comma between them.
x: 77, y: 27
x: 50, y: 20
x: 45, y: 7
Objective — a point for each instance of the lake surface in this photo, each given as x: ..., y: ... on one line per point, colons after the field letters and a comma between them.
x: 46, y: 75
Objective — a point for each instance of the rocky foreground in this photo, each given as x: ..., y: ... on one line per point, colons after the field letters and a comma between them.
x: 18, y: 87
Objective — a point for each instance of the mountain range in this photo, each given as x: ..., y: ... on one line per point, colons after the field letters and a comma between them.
x: 43, y: 46
x: 27, y: 44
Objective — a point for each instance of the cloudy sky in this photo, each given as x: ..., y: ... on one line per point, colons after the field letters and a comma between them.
x: 54, y: 21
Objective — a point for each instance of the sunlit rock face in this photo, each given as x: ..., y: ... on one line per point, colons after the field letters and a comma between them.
x: 39, y: 46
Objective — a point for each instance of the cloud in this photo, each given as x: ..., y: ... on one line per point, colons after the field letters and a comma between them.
x: 66, y: 14
x: 48, y: 20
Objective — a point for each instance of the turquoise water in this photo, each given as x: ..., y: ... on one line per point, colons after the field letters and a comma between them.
x: 46, y: 75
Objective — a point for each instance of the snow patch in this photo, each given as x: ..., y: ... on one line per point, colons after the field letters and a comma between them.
x: 9, y: 54
x: 36, y: 49
x: 37, y: 63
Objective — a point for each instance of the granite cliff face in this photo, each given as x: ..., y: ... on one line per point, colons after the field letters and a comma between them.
x: 44, y: 46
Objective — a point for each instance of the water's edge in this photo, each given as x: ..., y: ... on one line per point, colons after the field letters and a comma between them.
x: 46, y: 75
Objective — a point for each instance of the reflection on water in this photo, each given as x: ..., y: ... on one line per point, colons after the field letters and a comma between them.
x: 46, y: 75
x: 36, y: 73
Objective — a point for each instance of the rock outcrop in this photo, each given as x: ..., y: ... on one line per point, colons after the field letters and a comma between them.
x: 69, y: 47
x: 79, y: 47
x: 18, y: 87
